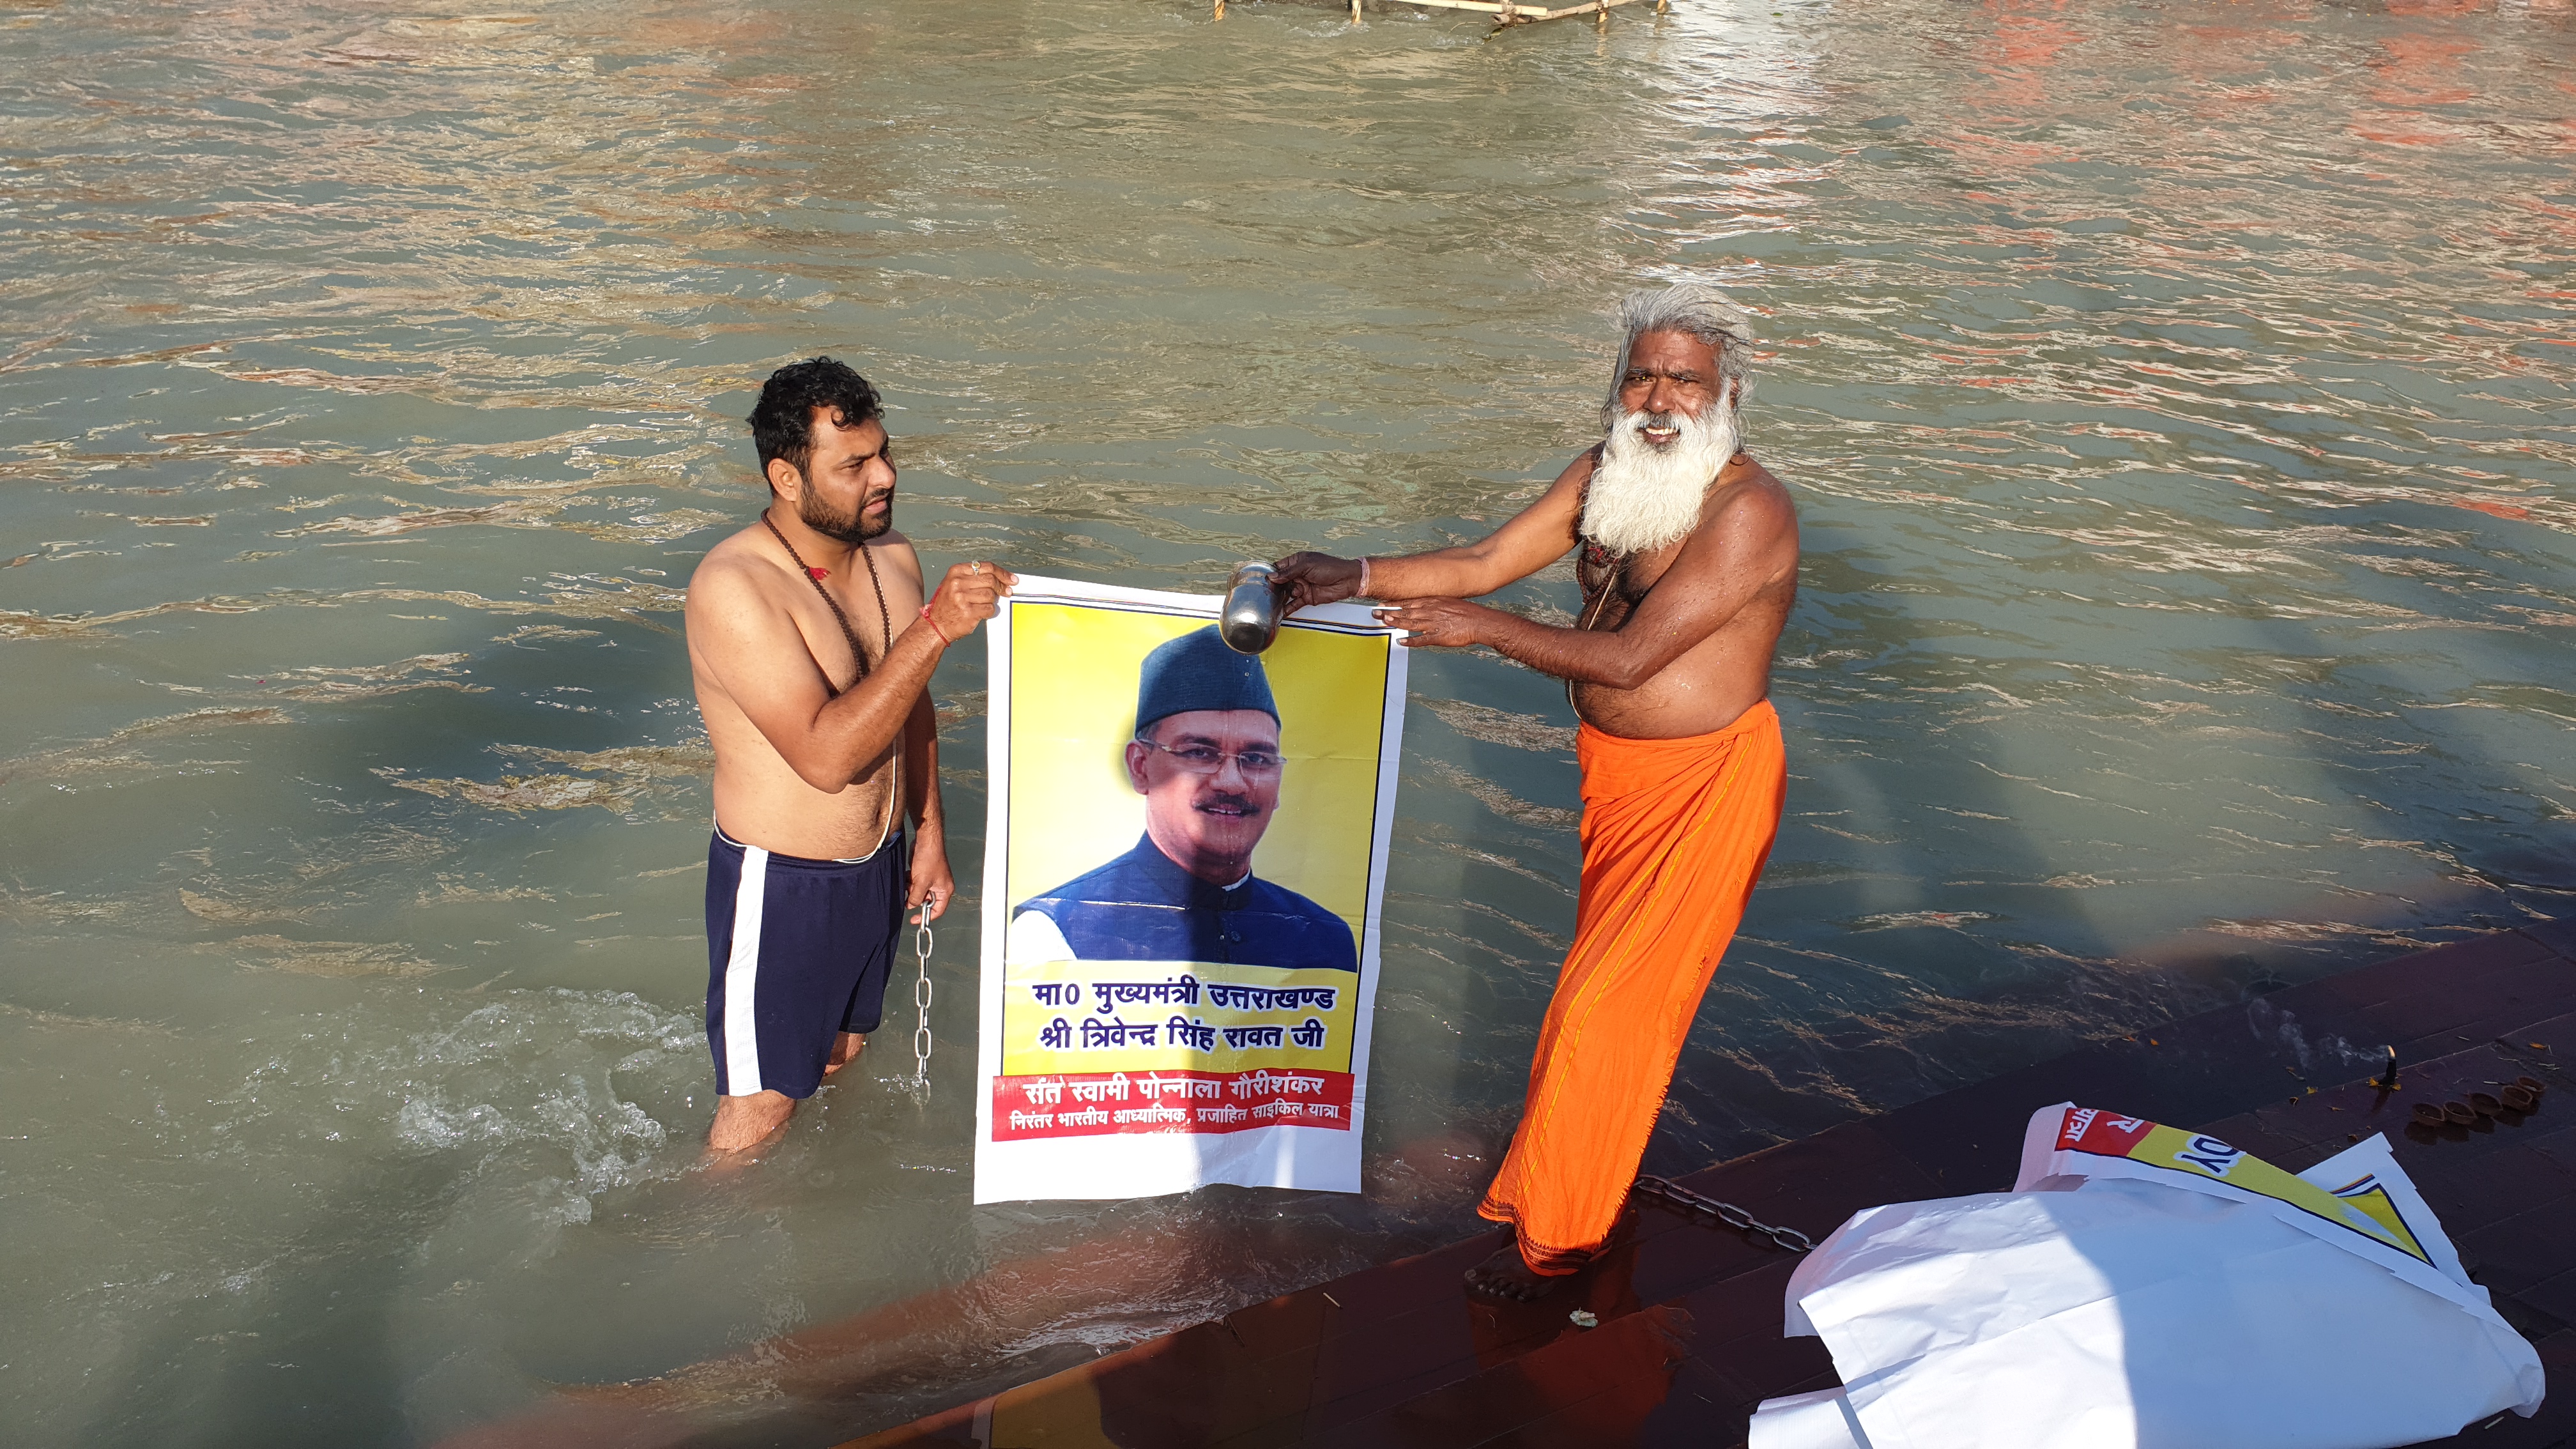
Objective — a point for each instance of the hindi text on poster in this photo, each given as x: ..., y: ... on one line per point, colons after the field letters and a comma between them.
x: 1084, y: 1104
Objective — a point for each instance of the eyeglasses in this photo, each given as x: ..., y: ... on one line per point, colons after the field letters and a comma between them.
x: 1208, y: 759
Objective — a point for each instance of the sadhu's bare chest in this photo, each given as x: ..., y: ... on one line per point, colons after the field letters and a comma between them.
x: 1615, y: 584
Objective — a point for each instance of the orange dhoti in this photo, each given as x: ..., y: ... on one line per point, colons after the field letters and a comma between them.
x: 1675, y: 832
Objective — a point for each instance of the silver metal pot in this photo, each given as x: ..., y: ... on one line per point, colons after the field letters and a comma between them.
x: 1250, y: 618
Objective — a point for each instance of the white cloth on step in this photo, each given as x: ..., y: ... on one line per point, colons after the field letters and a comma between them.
x: 2149, y: 1288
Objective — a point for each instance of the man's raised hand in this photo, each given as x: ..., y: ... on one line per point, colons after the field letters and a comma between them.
x: 1307, y: 579
x: 971, y: 594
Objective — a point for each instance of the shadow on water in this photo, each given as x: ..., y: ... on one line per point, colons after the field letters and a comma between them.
x: 303, y: 1356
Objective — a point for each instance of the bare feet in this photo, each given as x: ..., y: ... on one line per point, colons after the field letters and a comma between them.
x: 1508, y: 1277
x: 1504, y: 1276
x: 749, y: 1121
x: 845, y: 1050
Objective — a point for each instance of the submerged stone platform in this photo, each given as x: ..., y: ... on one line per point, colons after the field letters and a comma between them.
x: 1689, y: 1336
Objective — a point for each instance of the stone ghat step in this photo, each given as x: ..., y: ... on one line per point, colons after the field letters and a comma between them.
x: 1689, y: 1316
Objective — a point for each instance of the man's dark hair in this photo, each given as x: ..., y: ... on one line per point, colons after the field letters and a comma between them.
x: 782, y: 422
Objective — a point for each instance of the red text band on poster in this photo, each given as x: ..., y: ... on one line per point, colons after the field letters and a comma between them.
x: 1084, y: 1104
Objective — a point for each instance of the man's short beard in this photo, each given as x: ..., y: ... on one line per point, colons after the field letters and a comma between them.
x: 1643, y: 497
x: 856, y: 527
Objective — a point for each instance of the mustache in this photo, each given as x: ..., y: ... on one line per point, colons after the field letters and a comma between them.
x: 1230, y: 800
x: 851, y: 527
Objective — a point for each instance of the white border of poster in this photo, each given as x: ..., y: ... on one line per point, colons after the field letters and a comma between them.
x: 1146, y: 1164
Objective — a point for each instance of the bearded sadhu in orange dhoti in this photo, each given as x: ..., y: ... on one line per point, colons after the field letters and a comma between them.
x: 1689, y: 564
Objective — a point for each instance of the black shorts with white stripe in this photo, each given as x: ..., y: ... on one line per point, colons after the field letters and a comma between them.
x: 797, y: 952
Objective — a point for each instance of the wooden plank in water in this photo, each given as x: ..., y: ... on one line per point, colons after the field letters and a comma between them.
x: 1511, y: 14
x: 1505, y: 12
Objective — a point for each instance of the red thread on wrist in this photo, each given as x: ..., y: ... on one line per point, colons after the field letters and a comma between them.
x: 934, y: 626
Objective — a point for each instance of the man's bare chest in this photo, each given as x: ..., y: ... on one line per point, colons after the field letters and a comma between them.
x: 847, y: 631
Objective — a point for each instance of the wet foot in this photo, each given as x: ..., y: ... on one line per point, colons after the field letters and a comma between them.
x: 743, y: 1122
x: 1506, y: 1278
x: 845, y: 1050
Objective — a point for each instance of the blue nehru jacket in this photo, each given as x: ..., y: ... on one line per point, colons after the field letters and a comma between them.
x: 1142, y: 906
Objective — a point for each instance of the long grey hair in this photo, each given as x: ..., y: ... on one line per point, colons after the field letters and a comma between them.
x: 1694, y: 309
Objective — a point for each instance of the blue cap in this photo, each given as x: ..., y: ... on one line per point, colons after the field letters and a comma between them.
x: 1198, y: 671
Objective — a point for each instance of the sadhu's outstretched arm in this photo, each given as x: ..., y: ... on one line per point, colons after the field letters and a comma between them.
x: 1535, y: 537
x: 1732, y: 558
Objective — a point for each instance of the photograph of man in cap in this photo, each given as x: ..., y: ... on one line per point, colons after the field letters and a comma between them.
x: 1206, y: 758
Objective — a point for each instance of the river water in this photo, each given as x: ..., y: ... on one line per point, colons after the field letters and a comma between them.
x: 2176, y: 396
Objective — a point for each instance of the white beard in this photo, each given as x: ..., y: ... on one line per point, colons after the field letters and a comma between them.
x: 1643, y: 497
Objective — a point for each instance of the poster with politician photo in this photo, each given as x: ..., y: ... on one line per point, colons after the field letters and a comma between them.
x: 1182, y: 869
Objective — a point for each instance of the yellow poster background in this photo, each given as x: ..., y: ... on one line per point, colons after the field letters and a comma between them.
x: 1073, y: 693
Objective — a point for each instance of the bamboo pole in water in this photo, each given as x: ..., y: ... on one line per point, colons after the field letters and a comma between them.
x: 1508, y: 13
x: 1505, y: 12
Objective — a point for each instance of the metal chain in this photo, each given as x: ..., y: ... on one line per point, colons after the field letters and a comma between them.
x: 1725, y: 1213
x: 921, y: 941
